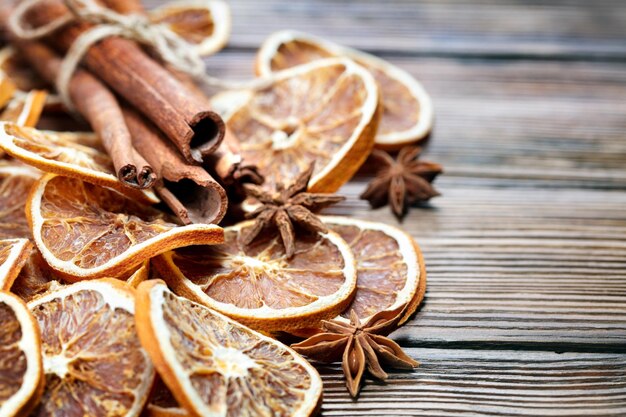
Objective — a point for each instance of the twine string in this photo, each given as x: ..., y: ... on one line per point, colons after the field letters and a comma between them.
x: 168, y: 45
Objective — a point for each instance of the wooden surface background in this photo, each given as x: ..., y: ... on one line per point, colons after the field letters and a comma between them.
x: 525, y: 313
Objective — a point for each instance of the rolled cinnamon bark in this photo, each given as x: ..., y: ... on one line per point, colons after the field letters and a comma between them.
x: 101, y: 109
x: 226, y: 161
x: 128, y: 70
x: 189, y: 190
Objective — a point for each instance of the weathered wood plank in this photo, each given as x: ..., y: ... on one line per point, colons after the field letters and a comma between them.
x: 495, y: 27
x: 480, y: 382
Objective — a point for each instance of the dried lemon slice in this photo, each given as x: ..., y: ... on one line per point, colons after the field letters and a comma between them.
x: 61, y: 153
x: 16, y: 180
x: 258, y: 285
x: 214, y: 366
x: 21, y: 375
x: 324, y: 112
x: 203, y: 23
x: 85, y: 231
x: 13, y: 255
x: 390, y: 267
x: 407, y: 113
x: 92, y: 357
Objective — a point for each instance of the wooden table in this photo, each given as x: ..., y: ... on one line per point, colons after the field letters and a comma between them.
x: 525, y: 312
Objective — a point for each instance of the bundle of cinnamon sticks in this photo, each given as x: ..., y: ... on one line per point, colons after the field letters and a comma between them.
x: 157, y: 127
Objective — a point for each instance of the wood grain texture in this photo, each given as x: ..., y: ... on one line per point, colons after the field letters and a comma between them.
x: 526, y: 248
x: 552, y: 28
x: 463, y: 382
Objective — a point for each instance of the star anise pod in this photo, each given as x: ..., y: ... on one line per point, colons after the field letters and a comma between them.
x: 403, y: 181
x: 359, y: 346
x: 286, y: 206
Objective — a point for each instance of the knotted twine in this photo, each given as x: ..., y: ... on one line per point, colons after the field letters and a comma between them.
x: 168, y: 45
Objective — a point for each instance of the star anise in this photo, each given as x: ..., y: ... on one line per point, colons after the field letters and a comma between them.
x: 359, y: 345
x: 286, y: 206
x: 403, y: 181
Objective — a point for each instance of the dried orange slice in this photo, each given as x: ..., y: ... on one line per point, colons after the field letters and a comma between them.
x: 140, y: 275
x: 16, y: 180
x: 22, y: 99
x: 92, y: 357
x: 13, y: 255
x: 8, y: 86
x: 25, y: 109
x: 21, y: 375
x: 258, y: 286
x: 35, y: 278
x: 390, y: 267
x: 86, y: 231
x: 7, y: 89
x: 88, y: 139
x: 407, y: 113
x: 324, y: 112
x: 18, y: 77
x: 215, y: 366
x: 16, y: 67
x: 162, y: 402
x: 62, y: 154
x: 203, y: 23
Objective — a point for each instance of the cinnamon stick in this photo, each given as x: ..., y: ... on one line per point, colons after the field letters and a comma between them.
x: 225, y: 161
x: 101, y: 109
x: 128, y: 70
x: 189, y: 190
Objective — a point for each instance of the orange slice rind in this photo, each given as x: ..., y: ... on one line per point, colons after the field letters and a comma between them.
x: 62, y: 153
x: 92, y: 357
x: 7, y: 89
x: 215, y: 366
x: 140, y: 275
x: 407, y: 114
x: 390, y: 267
x: 258, y: 285
x: 85, y: 231
x: 162, y: 402
x: 13, y: 255
x: 323, y: 113
x: 205, y: 24
x: 21, y: 371
x: 25, y: 109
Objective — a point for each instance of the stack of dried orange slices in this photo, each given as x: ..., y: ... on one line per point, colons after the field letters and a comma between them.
x: 109, y: 306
